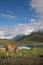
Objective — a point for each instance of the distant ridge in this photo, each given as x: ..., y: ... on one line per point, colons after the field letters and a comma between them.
x: 34, y: 37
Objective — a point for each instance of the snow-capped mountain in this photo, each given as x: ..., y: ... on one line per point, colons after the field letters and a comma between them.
x: 10, y: 35
x: 17, y: 37
x: 13, y: 36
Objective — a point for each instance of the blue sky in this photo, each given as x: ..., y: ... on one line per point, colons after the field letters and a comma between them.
x: 14, y: 12
x: 20, y: 17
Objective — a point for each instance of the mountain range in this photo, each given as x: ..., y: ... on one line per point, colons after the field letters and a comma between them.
x: 9, y: 35
x: 36, y: 37
x: 32, y: 35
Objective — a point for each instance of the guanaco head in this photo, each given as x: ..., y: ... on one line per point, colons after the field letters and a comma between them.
x: 19, y: 51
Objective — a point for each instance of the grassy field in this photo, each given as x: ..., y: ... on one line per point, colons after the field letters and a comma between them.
x: 30, y: 57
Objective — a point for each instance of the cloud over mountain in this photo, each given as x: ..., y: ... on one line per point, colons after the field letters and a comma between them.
x: 10, y: 32
x: 19, y: 29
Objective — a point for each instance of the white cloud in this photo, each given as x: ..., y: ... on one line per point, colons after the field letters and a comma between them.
x: 16, y: 30
x: 33, y: 20
x: 19, y: 29
x: 8, y: 16
x: 38, y: 6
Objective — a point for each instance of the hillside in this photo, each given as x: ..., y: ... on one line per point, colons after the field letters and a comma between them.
x: 34, y: 37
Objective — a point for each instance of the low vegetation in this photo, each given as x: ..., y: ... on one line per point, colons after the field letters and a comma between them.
x: 31, y: 57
